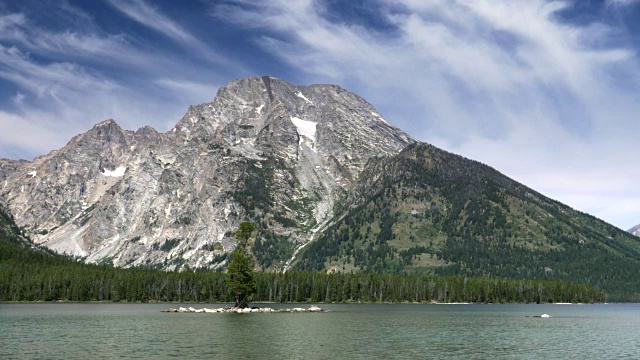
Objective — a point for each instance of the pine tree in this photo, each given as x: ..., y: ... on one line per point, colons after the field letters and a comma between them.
x: 240, y: 277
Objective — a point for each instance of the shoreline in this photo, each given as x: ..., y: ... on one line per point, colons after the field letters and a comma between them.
x: 294, y: 303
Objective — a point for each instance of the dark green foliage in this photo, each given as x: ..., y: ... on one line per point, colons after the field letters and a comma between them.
x: 427, y: 211
x: 407, y: 255
x: 240, y: 277
x: 272, y: 250
x: 183, y: 220
x: 244, y: 233
x: 340, y: 287
x: 253, y: 190
x: 592, y: 263
x: 286, y: 222
x: 167, y: 245
x: 217, y: 246
x: 28, y: 273
x: 258, y: 193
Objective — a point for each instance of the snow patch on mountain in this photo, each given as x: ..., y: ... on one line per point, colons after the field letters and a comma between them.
x: 118, y: 172
x: 305, y: 128
x: 379, y: 117
x: 299, y: 94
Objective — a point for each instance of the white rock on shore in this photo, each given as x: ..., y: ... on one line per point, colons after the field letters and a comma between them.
x: 312, y: 308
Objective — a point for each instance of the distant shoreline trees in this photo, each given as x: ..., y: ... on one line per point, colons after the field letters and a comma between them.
x: 34, y: 275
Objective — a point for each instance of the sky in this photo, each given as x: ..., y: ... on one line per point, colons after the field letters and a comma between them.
x: 547, y: 92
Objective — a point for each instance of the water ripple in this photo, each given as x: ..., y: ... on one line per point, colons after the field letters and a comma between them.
x: 109, y: 331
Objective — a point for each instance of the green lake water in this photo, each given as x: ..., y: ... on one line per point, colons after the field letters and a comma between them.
x: 112, y: 331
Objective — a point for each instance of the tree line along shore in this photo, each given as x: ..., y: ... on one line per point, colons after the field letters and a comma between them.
x: 28, y: 274
x: 83, y: 282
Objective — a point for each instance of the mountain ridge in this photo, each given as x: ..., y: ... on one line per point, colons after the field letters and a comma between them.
x: 329, y: 183
x: 429, y: 211
x: 117, y: 195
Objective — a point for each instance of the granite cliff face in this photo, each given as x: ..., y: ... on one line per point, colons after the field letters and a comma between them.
x: 278, y: 154
x: 635, y: 230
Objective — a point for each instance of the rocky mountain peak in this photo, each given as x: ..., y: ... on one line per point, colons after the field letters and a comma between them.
x: 264, y: 149
x: 147, y: 131
x: 106, y: 123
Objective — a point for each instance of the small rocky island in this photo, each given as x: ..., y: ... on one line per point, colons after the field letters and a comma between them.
x: 240, y: 279
x: 246, y: 310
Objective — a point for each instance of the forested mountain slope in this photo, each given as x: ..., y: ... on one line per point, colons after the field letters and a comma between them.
x: 30, y: 273
x: 430, y: 211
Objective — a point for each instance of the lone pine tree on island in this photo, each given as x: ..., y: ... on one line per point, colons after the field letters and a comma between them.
x: 240, y: 277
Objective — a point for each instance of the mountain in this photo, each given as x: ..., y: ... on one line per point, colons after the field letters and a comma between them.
x: 328, y: 183
x: 263, y: 149
x: 429, y: 211
x: 635, y: 230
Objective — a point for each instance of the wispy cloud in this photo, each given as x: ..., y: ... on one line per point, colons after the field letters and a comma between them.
x: 19, y: 135
x: 504, y: 82
x: 47, y: 80
x: 190, y: 90
x: 60, y: 96
x: 150, y: 16
x: 9, y: 21
x: 153, y: 18
x: 18, y: 30
x: 61, y: 92
x: 549, y: 102
x: 622, y: 2
x: 58, y: 100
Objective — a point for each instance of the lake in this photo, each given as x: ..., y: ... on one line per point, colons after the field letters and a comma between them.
x: 347, y: 332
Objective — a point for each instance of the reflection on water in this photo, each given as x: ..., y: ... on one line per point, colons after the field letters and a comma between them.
x: 348, y: 331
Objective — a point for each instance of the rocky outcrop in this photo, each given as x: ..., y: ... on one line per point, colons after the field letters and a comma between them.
x: 635, y: 230
x: 278, y: 154
x: 232, y: 310
x: 9, y: 167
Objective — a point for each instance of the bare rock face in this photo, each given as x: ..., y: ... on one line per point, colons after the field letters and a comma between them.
x: 265, y: 150
x: 635, y: 230
x: 10, y: 167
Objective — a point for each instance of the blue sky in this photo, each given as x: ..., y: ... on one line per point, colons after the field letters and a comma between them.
x: 545, y: 91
